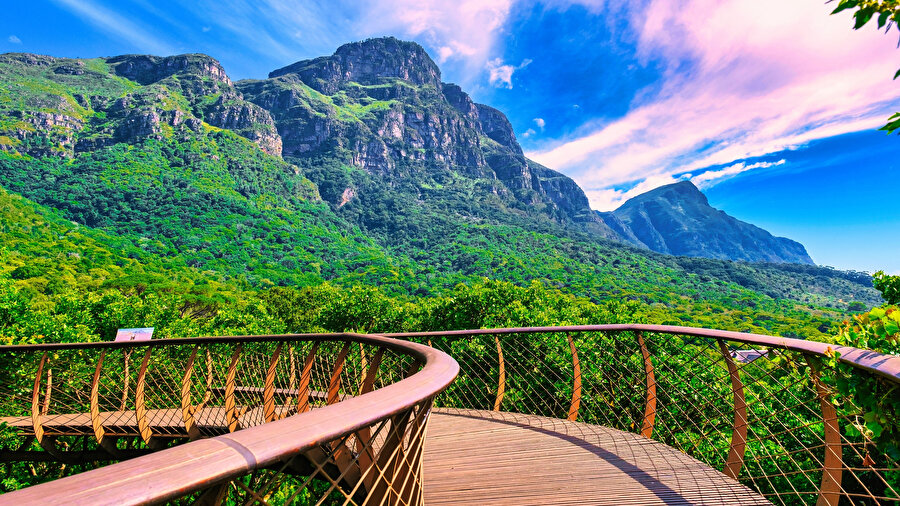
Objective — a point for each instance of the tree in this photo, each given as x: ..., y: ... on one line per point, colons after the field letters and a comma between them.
x: 889, y: 286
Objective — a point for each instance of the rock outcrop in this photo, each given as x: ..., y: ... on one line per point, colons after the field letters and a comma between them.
x: 134, y: 97
x: 380, y: 106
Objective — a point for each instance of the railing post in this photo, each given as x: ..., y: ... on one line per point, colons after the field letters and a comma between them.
x: 106, y: 443
x: 576, y: 381
x: 736, y: 450
x: 305, y: 375
x: 334, y: 386
x: 231, y: 417
x: 36, y: 412
x: 140, y: 405
x: 501, y: 376
x: 269, y: 387
x: 650, y: 406
x: 830, y: 488
x: 187, y: 410
x: 364, y: 437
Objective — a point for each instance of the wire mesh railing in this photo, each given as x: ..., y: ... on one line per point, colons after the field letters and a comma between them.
x: 248, y: 408
x: 757, y: 408
x: 763, y: 410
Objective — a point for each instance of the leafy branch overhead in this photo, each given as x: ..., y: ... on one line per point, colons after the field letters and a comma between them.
x: 887, y: 12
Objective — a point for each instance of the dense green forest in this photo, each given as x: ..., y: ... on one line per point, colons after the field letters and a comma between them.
x: 49, y: 261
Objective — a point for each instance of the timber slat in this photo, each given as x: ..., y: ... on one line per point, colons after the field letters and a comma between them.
x: 488, y: 457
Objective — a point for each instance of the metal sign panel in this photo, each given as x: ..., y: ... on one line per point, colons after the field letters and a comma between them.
x: 134, y: 334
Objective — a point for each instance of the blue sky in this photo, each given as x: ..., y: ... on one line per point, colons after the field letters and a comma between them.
x: 769, y: 106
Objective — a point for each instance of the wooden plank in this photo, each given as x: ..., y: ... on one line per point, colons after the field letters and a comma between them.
x: 488, y: 457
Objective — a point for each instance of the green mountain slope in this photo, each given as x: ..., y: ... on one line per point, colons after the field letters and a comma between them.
x: 141, y: 160
x: 386, y: 177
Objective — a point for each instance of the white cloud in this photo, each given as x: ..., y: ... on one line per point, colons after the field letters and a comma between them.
x: 540, y: 123
x: 116, y: 25
x: 206, y: 29
x: 780, y: 81
x: 528, y: 133
x: 711, y: 177
x: 608, y: 199
x: 500, y: 74
x: 14, y: 39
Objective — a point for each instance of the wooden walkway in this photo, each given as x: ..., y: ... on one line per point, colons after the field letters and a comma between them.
x: 487, y: 457
x: 484, y: 457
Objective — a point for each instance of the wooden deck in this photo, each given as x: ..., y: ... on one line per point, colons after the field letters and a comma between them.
x: 487, y: 457
x: 484, y: 457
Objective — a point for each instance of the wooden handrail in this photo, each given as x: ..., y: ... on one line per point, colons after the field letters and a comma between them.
x: 180, y: 470
x: 887, y: 366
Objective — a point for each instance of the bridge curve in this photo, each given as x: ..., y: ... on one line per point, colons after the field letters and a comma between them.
x: 758, y: 424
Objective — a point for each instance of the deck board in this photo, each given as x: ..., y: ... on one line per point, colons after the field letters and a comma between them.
x: 484, y: 457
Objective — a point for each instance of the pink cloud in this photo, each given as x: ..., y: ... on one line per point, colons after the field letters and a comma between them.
x: 766, y: 75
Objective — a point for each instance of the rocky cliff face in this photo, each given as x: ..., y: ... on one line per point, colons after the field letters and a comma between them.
x: 380, y: 106
x: 677, y: 219
x: 367, y: 63
x: 125, y: 99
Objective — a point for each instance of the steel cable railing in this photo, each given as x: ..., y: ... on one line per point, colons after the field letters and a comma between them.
x: 236, y: 420
x: 757, y: 408
x: 764, y: 415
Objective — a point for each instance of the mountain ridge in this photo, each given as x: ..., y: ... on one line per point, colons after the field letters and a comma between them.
x: 677, y: 219
x: 392, y: 148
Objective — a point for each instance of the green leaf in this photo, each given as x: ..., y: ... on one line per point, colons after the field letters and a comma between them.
x: 883, y: 17
x: 845, y: 4
x: 896, y: 75
x: 875, y: 427
x: 893, y: 124
x: 862, y: 17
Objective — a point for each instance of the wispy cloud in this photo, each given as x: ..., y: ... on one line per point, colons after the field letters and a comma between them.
x: 14, y: 39
x: 116, y: 25
x: 500, y: 74
x: 711, y: 177
x: 465, y: 30
x: 539, y: 122
x: 730, y: 93
x: 607, y: 199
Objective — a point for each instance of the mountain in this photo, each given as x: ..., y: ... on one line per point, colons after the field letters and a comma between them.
x: 374, y: 122
x: 362, y: 167
x: 677, y: 219
x: 167, y: 152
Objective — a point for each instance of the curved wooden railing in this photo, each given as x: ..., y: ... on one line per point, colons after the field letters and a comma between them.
x: 761, y: 409
x: 332, y: 417
x: 758, y: 408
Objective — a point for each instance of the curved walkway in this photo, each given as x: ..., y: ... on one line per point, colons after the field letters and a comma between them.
x: 486, y: 457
